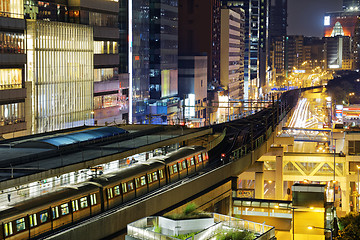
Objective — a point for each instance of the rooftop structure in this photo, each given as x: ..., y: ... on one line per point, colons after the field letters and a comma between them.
x: 205, y: 228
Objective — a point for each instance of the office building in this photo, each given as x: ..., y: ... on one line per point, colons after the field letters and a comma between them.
x: 199, y: 32
x: 193, y: 90
x: 232, y: 52
x: 345, y: 24
x: 338, y: 52
x: 256, y: 43
x: 13, y: 117
x: 134, y: 22
x: 163, y: 62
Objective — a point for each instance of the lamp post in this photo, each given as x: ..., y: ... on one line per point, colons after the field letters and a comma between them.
x: 328, y: 229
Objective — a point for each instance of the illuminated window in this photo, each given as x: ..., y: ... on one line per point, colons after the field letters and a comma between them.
x: 83, y: 202
x: 124, y: 189
x: 93, y: 199
x: 32, y: 220
x: 55, y: 212
x: 149, y: 178
x: 117, y: 190
x: 64, y: 209
x: 175, y: 168
x: 8, y: 229
x: 12, y: 8
x: 130, y: 185
x: 110, y: 193
x: 43, y: 216
x: 161, y: 174
x: 154, y: 174
x: 75, y: 206
x: 20, y: 224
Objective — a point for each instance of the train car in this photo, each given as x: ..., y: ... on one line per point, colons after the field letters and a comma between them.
x: 31, y: 218
x: 186, y: 156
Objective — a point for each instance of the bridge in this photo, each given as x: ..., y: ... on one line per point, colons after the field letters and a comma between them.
x: 243, y: 142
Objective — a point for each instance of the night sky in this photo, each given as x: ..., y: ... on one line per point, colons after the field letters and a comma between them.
x: 306, y: 17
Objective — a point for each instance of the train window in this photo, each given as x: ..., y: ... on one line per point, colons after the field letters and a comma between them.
x: 64, y: 209
x: 171, y: 170
x: 83, y: 202
x: 180, y: 167
x: 93, y: 199
x: 117, y: 190
x: 154, y: 175
x: 32, y: 220
x: 75, y: 205
x: 161, y: 174
x: 183, y: 164
x: 192, y: 161
x: 8, y: 229
x: 20, y: 224
x: 43, y: 216
x: 137, y: 182
x: 200, y: 158
x: 124, y: 188
x: 110, y: 193
x: 130, y: 185
x: 188, y: 162
x: 150, y: 178
x: 55, y: 212
x: 142, y: 180
x: 175, y: 168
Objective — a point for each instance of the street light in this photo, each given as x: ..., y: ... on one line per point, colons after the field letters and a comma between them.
x: 328, y: 229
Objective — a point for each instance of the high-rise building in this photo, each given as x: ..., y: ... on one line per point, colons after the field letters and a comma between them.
x: 163, y: 48
x: 199, y: 32
x: 256, y: 43
x: 232, y: 51
x: 338, y: 52
x: 13, y: 114
x: 295, y: 52
x: 134, y: 23
x: 345, y: 23
x: 277, y: 36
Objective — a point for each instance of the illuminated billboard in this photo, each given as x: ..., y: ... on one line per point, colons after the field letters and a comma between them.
x: 340, y: 22
x: 327, y: 21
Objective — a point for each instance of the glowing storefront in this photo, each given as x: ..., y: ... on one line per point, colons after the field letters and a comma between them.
x: 60, y: 67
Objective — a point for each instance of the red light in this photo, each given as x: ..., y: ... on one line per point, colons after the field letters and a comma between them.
x: 223, y: 155
x: 137, y: 58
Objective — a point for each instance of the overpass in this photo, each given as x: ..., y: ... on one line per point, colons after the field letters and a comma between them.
x: 245, y: 142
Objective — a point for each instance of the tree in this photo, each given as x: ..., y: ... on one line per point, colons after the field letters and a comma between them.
x: 349, y: 227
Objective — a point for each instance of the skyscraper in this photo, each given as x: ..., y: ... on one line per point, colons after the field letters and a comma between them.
x: 256, y: 43
x: 163, y: 48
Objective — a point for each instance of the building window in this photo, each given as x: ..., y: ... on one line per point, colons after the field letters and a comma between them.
x: 12, y: 8
x: 354, y: 147
x: 10, y: 79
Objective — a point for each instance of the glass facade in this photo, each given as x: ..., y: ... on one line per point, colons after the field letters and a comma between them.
x: 105, y: 74
x: 12, y: 113
x: 105, y: 47
x: 163, y: 46
x: 11, y: 42
x: 10, y: 79
x: 60, y: 67
x: 12, y: 8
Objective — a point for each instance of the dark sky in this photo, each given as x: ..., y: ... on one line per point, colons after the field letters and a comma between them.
x: 306, y: 17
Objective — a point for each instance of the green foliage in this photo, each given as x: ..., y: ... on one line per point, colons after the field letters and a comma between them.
x: 157, y: 228
x: 349, y: 227
x: 189, y: 212
x: 339, y: 88
x: 190, y: 208
x: 235, y: 234
x: 185, y: 236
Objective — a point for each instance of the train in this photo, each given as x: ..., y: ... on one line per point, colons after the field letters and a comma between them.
x: 38, y: 216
